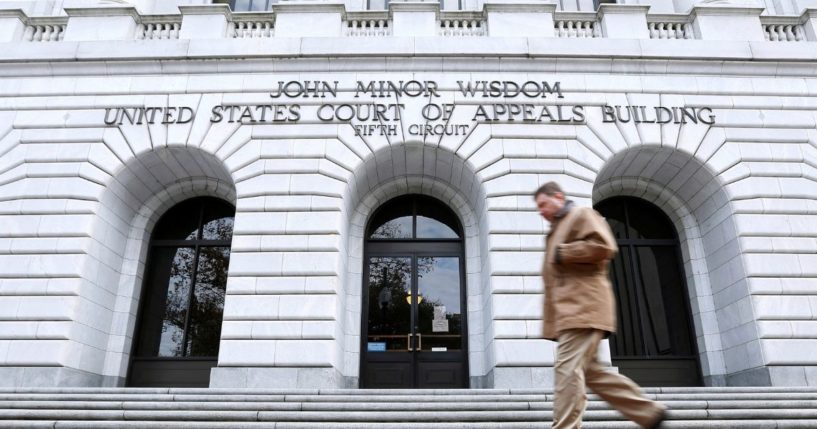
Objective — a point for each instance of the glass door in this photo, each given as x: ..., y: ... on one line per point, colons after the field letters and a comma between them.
x: 439, y: 325
x: 390, y: 312
x: 413, y: 330
x: 389, y: 335
x: 414, y: 323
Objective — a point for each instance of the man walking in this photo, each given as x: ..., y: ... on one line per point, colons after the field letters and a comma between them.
x: 580, y: 312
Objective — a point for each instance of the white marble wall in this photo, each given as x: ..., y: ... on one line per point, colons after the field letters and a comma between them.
x: 78, y: 199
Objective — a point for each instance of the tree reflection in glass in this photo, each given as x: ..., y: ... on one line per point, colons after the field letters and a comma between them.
x: 394, y: 228
x: 389, y: 303
x: 217, y: 223
x: 389, y: 311
x: 176, y: 303
x: 186, y: 280
x: 208, y: 301
x: 394, y: 221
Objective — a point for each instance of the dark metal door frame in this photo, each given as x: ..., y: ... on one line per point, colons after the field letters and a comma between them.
x: 414, y: 250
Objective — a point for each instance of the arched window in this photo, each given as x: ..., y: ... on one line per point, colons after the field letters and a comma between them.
x: 183, y: 295
x: 654, y: 343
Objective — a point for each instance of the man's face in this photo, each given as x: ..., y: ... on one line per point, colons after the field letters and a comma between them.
x: 549, y: 206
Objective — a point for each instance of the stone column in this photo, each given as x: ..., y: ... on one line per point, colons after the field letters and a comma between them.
x: 624, y: 21
x: 809, y: 20
x: 727, y: 22
x: 519, y: 18
x: 12, y: 25
x: 414, y: 18
x: 309, y: 19
x: 101, y: 23
x: 204, y: 22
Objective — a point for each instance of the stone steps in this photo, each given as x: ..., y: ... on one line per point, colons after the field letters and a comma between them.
x: 381, y: 416
x: 714, y: 424
x: 383, y: 406
x: 381, y: 392
x: 370, y: 409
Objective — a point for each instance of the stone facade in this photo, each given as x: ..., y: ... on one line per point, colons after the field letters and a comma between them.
x: 78, y: 198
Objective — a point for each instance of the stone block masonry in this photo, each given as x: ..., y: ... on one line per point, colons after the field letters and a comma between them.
x: 80, y: 192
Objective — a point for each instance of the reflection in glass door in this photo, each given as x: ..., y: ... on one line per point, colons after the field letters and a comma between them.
x: 440, y: 349
x: 389, y: 304
x: 414, y: 325
x: 415, y: 322
x: 439, y: 321
x: 179, y: 329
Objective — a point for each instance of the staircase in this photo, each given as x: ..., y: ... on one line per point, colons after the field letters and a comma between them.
x: 749, y: 407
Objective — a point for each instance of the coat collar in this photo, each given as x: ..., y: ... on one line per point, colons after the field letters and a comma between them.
x: 564, y: 210
x: 561, y: 215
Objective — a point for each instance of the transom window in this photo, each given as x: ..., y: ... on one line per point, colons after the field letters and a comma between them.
x: 414, y: 217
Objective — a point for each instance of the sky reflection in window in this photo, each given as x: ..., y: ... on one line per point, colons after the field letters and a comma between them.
x: 432, y: 228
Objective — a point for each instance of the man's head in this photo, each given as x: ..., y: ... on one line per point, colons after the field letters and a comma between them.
x: 549, y: 199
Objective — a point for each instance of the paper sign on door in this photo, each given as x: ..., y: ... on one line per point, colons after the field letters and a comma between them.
x: 439, y: 326
x: 440, y: 323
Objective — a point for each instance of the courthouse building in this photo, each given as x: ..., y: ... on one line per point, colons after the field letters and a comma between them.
x: 338, y: 194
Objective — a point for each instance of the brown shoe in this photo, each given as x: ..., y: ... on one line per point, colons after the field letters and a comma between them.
x: 656, y: 424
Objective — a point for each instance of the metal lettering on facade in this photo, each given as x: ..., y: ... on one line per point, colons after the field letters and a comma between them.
x: 360, y: 105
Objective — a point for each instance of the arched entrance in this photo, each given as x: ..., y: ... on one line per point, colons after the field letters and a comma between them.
x: 179, y: 324
x: 414, y: 332
x: 654, y: 344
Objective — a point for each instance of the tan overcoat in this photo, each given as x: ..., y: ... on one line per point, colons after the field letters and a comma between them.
x: 578, y: 293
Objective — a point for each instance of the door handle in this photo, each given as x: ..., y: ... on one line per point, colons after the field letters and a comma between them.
x: 419, y: 342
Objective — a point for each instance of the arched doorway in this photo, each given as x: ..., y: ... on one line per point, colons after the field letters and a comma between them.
x: 179, y: 323
x: 414, y: 332
x: 654, y: 344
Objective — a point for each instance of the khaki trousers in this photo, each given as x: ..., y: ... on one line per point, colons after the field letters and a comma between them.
x: 576, y: 364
